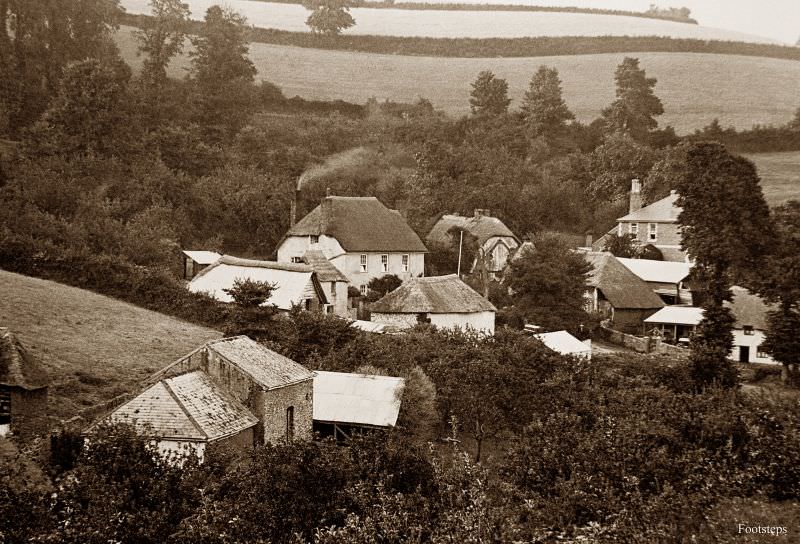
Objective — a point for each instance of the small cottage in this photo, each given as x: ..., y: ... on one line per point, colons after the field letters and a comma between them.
x: 333, y: 282
x: 23, y: 388
x: 196, y: 261
x: 750, y: 312
x: 443, y: 301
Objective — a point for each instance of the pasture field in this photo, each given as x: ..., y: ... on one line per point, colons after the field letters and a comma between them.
x: 460, y: 24
x: 695, y: 88
x: 94, y: 347
x: 780, y: 175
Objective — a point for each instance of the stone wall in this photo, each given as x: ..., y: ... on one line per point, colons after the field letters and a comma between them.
x: 273, y: 406
x: 28, y: 410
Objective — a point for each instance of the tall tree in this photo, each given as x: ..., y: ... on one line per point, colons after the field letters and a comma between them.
x: 543, y: 107
x: 329, y: 17
x: 489, y: 95
x: 726, y: 228
x: 161, y: 38
x: 223, y: 73
x: 636, y: 107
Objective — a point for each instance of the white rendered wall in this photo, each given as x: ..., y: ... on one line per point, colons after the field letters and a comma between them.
x: 752, y: 341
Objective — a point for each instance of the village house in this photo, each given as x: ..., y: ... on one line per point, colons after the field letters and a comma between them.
x: 360, y: 236
x: 195, y: 261
x: 295, y: 284
x: 564, y: 343
x: 495, y: 240
x: 23, y: 388
x: 443, y: 301
x: 333, y: 282
x: 618, y: 294
x: 655, y: 225
x: 667, y: 279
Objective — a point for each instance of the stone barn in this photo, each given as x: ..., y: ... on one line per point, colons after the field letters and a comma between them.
x: 23, y: 388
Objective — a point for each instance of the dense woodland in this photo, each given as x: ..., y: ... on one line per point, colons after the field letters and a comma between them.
x: 106, y: 174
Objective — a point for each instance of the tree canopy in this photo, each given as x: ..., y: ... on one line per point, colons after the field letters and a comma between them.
x: 636, y: 107
x: 543, y: 107
x: 489, y: 95
x: 329, y: 17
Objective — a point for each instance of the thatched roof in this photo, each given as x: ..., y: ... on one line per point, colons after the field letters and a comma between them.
x: 748, y: 309
x: 622, y: 288
x: 435, y: 295
x: 18, y: 368
x: 360, y: 224
x: 481, y: 227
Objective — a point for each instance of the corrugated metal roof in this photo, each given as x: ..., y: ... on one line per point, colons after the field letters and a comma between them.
x: 657, y: 271
x: 622, y: 288
x: 268, y: 368
x: 202, y: 257
x: 188, y: 407
x: 357, y: 399
x: 677, y: 315
x: 564, y: 343
x: 18, y: 367
x: 325, y: 269
x: 294, y: 283
x: 436, y: 295
x: 660, y: 211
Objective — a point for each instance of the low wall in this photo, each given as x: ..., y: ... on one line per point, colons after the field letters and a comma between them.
x: 636, y: 343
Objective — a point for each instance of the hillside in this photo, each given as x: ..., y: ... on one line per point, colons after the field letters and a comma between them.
x: 747, y: 90
x: 94, y: 347
x: 780, y: 175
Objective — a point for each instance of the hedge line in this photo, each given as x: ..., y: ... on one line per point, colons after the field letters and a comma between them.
x: 504, y: 47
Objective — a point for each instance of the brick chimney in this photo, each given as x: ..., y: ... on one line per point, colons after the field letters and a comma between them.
x: 636, y: 196
x: 325, y: 214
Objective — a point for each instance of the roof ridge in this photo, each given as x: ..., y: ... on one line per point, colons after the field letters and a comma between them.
x: 182, y: 407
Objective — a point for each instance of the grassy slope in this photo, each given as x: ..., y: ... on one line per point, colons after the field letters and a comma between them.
x: 695, y: 88
x: 780, y: 175
x: 94, y: 347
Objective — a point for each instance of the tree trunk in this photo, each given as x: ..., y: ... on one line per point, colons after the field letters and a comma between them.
x: 790, y: 374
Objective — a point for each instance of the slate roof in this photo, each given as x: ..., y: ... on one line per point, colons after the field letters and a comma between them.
x: 657, y: 271
x: 18, y: 368
x: 435, y: 295
x: 677, y: 315
x: 660, y: 211
x: 202, y: 257
x: 622, y: 288
x: 269, y: 369
x: 185, y: 407
x: 564, y: 343
x: 325, y: 269
x: 748, y: 309
x: 357, y: 399
x: 294, y: 282
x: 482, y: 227
x: 360, y: 224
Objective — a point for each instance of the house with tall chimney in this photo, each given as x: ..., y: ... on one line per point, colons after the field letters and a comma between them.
x: 360, y: 236
x: 655, y: 224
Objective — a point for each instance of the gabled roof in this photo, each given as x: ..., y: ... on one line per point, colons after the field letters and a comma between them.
x: 677, y: 315
x: 360, y: 224
x: 657, y: 271
x: 622, y: 288
x: 435, y: 295
x: 189, y: 407
x: 482, y: 227
x: 357, y: 399
x: 660, y: 211
x: 325, y: 270
x: 748, y: 309
x: 564, y: 343
x: 18, y: 368
x: 269, y: 369
x: 294, y: 282
x: 202, y: 257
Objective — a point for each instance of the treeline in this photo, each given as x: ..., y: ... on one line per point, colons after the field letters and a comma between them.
x: 506, y: 47
x: 759, y: 139
x: 680, y: 15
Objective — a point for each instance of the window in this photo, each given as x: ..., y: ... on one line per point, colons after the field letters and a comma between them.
x: 633, y: 228
x: 333, y: 290
x: 290, y: 423
x: 314, y: 239
x: 384, y: 263
x: 363, y: 263
x: 363, y: 290
x: 761, y: 354
x: 652, y: 233
x: 297, y: 260
x: 748, y: 330
x: 405, y: 263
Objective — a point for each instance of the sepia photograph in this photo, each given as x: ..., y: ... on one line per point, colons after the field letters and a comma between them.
x: 400, y: 271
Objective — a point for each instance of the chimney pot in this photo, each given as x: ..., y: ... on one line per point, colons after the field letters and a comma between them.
x: 636, y: 196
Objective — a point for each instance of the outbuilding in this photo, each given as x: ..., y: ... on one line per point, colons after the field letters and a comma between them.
x: 564, y: 343
x: 23, y: 388
x: 196, y: 261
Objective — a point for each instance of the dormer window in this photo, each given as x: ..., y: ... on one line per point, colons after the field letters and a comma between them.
x: 652, y: 232
x: 748, y: 329
x: 313, y: 239
x: 297, y: 260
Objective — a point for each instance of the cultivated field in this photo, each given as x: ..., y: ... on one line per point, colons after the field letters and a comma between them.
x: 94, y: 347
x: 780, y: 175
x: 459, y: 24
x: 695, y: 88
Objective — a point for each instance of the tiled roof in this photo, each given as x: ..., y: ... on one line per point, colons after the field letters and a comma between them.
x: 294, y: 282
x: 202, y: 257
x: 325, y: 270
x: 748, y: 309
x: 482, y: 227
x: 657, y: 271
x: 437, y: 295
x: 359, y: 224
x: 268, y: 368
x: 188, y: 407
x: 660, y: 211
x: 358, y: 399
x: 18, y: 367
x: 622, y: 288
